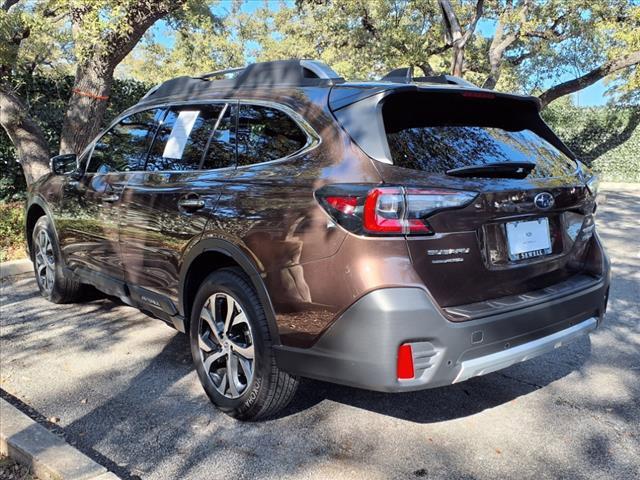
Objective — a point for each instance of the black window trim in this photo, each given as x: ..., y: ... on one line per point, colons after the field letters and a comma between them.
x: 313, y: 139
x: 227, y: 106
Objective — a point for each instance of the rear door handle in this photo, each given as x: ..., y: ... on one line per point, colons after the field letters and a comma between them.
x: 111, y: 198
x: 191, y: 203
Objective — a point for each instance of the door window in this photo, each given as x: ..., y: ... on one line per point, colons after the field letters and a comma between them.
x: 124, y: 147
x: 222, y: 142
x: 183, y: 137
x: 266, y: 134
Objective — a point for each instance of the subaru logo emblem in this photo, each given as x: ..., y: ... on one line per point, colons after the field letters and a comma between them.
x: 543, y: 201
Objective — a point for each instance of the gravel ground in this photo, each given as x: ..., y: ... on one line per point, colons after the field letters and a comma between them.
x: 121, y: 387
x: 10, y: 470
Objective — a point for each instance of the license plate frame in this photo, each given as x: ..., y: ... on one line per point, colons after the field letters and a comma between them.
x: 528, y: 239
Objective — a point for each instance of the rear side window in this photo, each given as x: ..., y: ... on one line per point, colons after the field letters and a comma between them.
x: 438, y: 132
x: 124, y: 147
x: 183, y: 137
x: 266, y: 134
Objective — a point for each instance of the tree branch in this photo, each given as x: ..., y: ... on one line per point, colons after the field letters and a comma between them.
x: 520, y: 58
x: 453, y: 32
x: 616, y: 139
x: 474, y: 22
x: 139, y: 19
x: 7, y: 4
x: 589, y: 78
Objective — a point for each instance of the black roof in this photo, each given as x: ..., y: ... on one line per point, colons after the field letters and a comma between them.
x: 307, y: 73
x: 264, y: 74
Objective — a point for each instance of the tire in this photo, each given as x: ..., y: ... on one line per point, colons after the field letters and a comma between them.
x: 48, y: 266
x: 243, y: 387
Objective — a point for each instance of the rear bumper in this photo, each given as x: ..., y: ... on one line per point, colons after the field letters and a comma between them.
x: 360, y: 348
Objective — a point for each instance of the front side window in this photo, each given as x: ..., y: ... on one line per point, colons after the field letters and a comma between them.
x: 124, y: 147
x: 266, y: 134
x: 183, y: 137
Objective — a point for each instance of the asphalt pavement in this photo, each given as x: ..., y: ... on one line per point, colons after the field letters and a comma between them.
x: 120, y: 387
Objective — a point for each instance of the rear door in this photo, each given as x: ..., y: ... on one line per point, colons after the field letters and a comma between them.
x: 91, y: 209
x: 168, y: 205
x: 530, y: 221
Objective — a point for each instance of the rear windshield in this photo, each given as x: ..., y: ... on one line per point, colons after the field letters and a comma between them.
x: 441, y: 148
x: 452, y: 132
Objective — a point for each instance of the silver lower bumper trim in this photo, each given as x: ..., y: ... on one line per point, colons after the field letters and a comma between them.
x: 499, y: 360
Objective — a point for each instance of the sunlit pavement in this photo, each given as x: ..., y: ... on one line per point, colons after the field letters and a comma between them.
x: 124, y: 390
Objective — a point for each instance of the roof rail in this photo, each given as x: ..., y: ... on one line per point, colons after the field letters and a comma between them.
x: 264, y: 74
x: 405, y: 75
x: 315, y: 69
x: 228, y: 73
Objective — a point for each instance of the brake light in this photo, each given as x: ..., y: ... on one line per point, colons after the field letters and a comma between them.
x: 479, y: 95
x: 388, y: 210
x: 405, y: 369
x: 384, y: 210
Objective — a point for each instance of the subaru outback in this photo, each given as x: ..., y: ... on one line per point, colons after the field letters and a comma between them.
x: 391, y: 235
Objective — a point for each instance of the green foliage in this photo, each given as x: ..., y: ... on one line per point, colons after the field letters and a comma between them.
x: 47, y: 98
x: 621, y: 164
x: 607, y: 138
x: 11, y: 231
x: 200, y: 43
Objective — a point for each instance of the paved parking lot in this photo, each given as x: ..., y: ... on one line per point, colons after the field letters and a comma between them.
x: 123, y: 389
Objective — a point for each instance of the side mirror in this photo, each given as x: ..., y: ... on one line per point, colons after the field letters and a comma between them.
x: 64, y: 164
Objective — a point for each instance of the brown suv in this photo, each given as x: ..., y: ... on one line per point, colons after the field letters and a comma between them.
x: 392, y: 235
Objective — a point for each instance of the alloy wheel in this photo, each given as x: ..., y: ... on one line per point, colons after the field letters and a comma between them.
x: 45, y: 261
x: 225, y: 342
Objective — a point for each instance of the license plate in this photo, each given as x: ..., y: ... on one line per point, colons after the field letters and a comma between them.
x: 528, y: 239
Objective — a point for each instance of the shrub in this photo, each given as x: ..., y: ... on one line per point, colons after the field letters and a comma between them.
x: 607, y: 138
x: 11, y: 231
x: 622, y: 164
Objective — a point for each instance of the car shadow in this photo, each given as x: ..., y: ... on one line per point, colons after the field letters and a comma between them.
x: 450, y: 402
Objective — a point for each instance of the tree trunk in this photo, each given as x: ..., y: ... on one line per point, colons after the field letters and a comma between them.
x: 87, y: 105
x: 25, y: 134
x: 454, y: 34
x: 458, y: 61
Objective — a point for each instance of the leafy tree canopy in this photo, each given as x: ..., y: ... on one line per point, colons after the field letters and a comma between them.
x: 526, y: 46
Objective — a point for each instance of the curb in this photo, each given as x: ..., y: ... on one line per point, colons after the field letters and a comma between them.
x: 15, y: 267
x: 47, y: 455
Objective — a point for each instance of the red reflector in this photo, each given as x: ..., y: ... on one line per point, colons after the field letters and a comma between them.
x: 346, y: 205
x: 478, y: 95
x: 405, y: 362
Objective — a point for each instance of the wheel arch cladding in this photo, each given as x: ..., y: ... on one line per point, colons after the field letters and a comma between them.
x: 34, y: 212
x: 210, y: 255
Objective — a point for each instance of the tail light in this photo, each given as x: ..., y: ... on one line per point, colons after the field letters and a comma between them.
x: 388, y: 210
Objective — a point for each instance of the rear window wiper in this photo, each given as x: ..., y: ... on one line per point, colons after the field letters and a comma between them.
x: 494, y: 170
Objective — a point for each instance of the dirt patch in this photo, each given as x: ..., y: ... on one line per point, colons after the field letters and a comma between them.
x: 10, y: 470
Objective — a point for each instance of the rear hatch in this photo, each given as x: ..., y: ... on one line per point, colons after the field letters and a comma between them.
x: 528, y: 218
